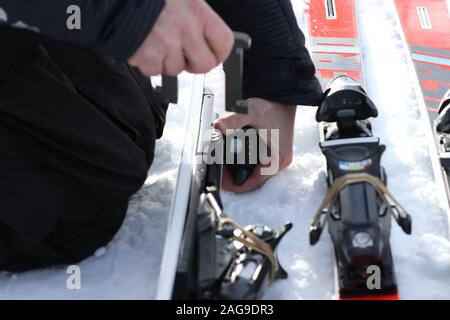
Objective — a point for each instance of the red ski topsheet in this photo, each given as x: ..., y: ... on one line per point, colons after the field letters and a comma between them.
x: 426, y: 24
x: 334, y: 39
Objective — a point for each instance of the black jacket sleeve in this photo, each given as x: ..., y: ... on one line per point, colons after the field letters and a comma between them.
x: 115, y: 27
x: 278, y: 67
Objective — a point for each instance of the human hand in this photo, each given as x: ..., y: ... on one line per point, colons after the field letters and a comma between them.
x: 188, y: 35
x: 262, y: 114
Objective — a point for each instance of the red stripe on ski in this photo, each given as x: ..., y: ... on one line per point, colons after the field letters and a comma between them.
x: 434, y: 100
x: 392, y: 296
x: 433, y: 85
x: 335, y: 45
x: 330, y: 73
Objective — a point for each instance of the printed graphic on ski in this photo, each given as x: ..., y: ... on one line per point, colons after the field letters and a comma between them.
x: 334, y: 40
x: 426, y: 25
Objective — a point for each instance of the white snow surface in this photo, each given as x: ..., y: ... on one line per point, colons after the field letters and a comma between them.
x: 128, y: 267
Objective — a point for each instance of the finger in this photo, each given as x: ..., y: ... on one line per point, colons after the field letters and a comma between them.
x: 219, y: 37
x: 148, y: 59
x: 232, y: 121
x: 174, y: 62
x: 151, y: 64
x: 199, y: 57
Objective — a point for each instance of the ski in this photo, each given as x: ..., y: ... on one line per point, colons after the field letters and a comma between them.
x: 207, y: 255
x: 425, y: 31
x: 358, y: 206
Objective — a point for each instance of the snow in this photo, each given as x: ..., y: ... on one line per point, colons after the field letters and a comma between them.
x: 448, y: 7
x: 128, y: 267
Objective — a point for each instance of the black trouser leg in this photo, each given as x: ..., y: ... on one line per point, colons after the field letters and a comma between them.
x: 76, y: 141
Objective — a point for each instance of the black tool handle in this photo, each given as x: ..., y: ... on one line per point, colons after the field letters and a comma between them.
x: 234, y: 70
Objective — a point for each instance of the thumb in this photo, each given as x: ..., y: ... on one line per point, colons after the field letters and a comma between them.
x: 232, y: 121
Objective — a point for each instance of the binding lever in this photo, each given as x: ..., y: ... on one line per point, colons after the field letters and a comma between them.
x: 242, y: 148
x: 346, y: 103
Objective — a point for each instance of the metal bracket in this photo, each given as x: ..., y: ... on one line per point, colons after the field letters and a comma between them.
x: 234, y: 69
x: 169, y: 88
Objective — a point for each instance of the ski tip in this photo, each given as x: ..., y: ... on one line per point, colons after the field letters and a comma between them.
x: 388, y: 296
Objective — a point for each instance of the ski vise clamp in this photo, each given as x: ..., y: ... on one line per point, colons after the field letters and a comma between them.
x: 168, y: 91
x: 234, y: 70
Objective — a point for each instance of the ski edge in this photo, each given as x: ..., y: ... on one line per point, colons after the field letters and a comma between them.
x: 177, y: 216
